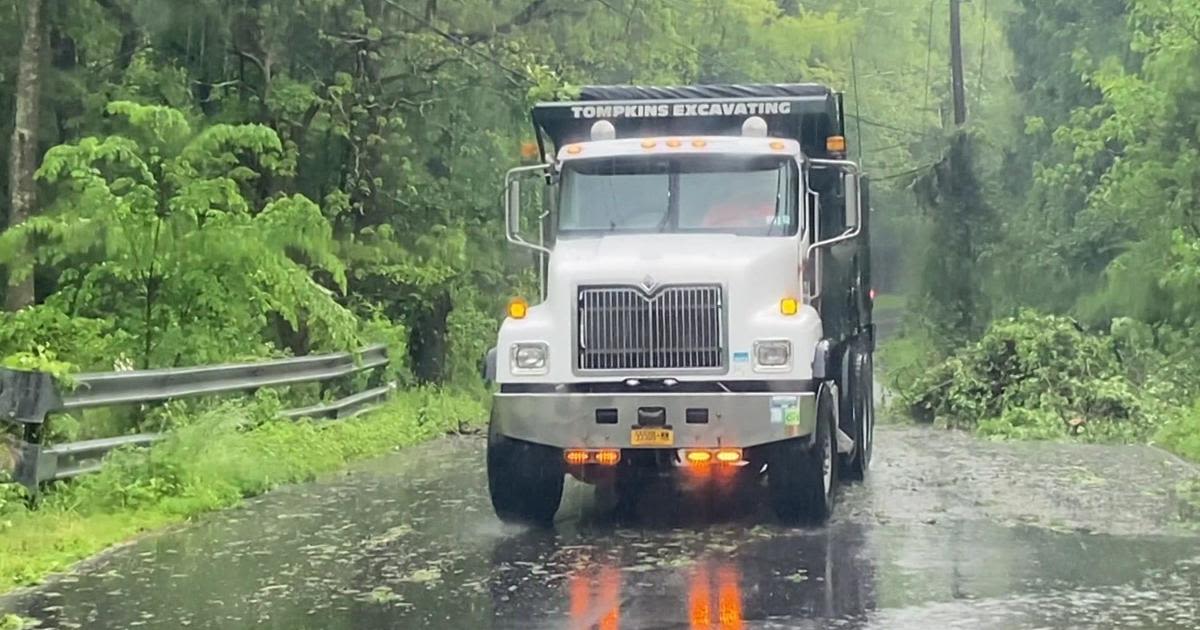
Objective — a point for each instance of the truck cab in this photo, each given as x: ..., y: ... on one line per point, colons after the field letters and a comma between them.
x: 704, y: 302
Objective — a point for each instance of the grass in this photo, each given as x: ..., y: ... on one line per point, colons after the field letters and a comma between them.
x: 1180, y: 433
x: 212, y: 463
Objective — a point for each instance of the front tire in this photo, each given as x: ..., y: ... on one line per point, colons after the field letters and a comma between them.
x: 525, y: 480
x: 801, y: 476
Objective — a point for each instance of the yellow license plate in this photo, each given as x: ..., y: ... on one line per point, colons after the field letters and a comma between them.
x: 652, y: 437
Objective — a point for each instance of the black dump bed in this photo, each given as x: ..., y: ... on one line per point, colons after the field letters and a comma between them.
x: 805, y: 112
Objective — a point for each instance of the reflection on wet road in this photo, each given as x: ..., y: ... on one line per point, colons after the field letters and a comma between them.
x: 409, y: 541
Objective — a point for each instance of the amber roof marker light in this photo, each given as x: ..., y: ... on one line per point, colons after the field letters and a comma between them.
x: 836, y: 145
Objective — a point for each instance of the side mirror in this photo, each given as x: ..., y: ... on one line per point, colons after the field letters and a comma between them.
x: 853, y: 201
x: 512, y: 206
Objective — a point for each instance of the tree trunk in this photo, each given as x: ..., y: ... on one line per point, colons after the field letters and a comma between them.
x: 23, y: 161
x: 956, y: 64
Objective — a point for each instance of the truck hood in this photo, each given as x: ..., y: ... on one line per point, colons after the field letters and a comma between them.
x: 769, y: 264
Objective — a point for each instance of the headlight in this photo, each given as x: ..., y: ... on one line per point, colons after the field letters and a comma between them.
x: 529, y: 358
x: 772, y: 354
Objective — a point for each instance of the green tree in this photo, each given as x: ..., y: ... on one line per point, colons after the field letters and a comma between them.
x: 158, y: 232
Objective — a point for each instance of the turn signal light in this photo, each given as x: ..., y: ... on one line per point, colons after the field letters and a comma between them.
x: 835, y: 144
x: 789, y: 306
x: 608, y: 458
x: 518, y: 308
x: 699, y: 457
x: 604, y: 457
x: 729, y: 455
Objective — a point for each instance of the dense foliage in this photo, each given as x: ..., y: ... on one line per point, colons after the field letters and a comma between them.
x: 228, y: 178
x: 1094, y: 190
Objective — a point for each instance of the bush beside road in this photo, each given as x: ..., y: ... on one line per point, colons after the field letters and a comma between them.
x: 1046, y: 377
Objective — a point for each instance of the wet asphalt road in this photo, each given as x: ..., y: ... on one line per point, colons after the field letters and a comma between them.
x: 949, y: 532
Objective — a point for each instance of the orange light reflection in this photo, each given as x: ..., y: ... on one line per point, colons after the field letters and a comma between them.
x: 595, y: 599
x: 727, y: 605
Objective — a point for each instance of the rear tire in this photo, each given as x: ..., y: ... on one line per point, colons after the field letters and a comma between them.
x: 861, y: 423
x: 525, y: 480
x: 802, y: 476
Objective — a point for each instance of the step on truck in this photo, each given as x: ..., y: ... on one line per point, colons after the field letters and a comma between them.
x: 705, y: 307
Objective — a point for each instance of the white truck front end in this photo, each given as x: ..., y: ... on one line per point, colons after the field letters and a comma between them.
x: 680, y: 324
x: 702, y: 335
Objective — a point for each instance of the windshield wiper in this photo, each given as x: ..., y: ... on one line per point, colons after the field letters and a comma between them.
x: 779, y: 201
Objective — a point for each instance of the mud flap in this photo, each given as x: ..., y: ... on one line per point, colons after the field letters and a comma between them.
x: 845, y: 443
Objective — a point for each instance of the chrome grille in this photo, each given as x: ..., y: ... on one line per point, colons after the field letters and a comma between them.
x: 676, y: 327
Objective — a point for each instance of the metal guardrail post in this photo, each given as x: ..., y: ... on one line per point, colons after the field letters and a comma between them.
x: 29, y: 463
x: 27, y: 398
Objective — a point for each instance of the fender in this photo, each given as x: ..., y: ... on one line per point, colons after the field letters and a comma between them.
x: 823, y: 362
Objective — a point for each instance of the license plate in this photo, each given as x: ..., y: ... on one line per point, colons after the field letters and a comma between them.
x: 652, y: 437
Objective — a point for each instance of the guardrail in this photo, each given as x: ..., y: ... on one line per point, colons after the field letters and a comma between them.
x: 29, y: 398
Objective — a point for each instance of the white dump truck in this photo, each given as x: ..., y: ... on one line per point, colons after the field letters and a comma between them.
x: 705, y: 301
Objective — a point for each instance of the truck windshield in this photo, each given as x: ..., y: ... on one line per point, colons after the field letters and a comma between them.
x: 750, y: 196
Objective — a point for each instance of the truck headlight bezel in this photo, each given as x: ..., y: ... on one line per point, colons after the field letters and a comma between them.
x: 772, y: 355
x: 529, y: 358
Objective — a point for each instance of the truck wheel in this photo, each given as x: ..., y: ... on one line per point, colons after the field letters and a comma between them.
x: 525, y: 480
x: 802, y: 477
x: 861, y: 425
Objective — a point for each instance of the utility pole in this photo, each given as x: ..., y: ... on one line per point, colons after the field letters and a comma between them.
x: 956, y: 63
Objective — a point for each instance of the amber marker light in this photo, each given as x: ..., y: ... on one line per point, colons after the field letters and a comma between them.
x: 789, y: 306
x: 608, y: 457
x: 649, y: 144
x: 699, y: 457
x: 674, y: 143
x: 529, y: 150
x: 835, y: 144
x: 729, y: 455
x: 576, y: 458
x: 778, y: 146
x: 518, y: 308
x: 699, y: 144
x: 574, y: 149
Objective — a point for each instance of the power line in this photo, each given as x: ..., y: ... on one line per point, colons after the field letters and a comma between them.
x: 514, y: 77
x: 908, y: 173
x: 675, y: 38
x: 874, y: 123
x: 857, y: 105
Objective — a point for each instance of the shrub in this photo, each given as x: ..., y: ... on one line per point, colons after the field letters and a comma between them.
x: 1032, y: 375
x: 1180, y: 433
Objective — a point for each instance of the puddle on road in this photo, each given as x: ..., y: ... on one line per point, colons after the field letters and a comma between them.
x: 410, y: 542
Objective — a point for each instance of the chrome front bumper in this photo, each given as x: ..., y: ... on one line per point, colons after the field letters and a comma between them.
x: 736, y: 420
